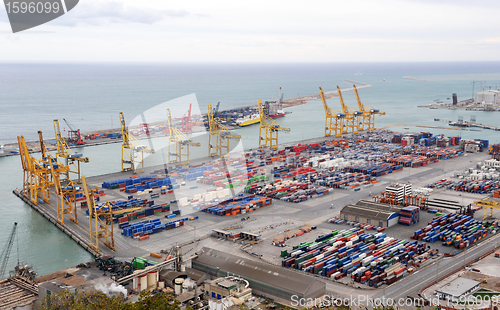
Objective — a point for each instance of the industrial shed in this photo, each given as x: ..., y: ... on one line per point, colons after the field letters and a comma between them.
x: 264, y: 279
x: 379, y: 206
x: 362, y: 214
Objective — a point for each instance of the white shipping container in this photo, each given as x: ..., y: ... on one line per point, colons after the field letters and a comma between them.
x: 335, y: 274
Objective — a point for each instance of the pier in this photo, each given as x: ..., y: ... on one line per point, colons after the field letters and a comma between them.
x: 421, y: 126
x: 471, y: 124
x: 328, y: 94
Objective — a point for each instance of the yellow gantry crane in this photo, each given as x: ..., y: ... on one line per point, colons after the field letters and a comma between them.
x: 351, y: 119
x: 218, y: 135
x: 35, y: 182
x: 132, y: 150
x: 66, y: 194
x: 486, y: 203
x: 270, y: 127
x: 63, y: 151
x: 66, y: 191
x: 181, y: 142
x: 367, y: 118
x: 101, y: 220
x: 334, y: 121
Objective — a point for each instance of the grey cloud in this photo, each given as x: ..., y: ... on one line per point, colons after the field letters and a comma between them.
x: 104, y: 12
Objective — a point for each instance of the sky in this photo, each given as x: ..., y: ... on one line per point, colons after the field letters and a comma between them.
x: 261, y: 31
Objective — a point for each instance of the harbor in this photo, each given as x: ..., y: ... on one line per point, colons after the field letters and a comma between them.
x: 242, y: 203
x: 335, y: 196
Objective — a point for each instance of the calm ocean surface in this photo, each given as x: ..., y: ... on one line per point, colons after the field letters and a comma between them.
x: 90, y: 96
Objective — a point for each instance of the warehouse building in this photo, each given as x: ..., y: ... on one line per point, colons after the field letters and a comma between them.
x: 264, y: 279
x: 379, y: 206
x: 381, y: 217
x: 457, y: 288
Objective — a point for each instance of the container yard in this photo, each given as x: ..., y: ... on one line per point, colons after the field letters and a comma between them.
x: 287, y: 200
x: 372, y: 259
x: 459, y: 231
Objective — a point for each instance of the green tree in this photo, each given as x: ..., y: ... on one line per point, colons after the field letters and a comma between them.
x: 97, y: 300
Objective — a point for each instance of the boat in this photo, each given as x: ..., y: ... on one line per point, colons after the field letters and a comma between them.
x: 248, y: 120
x: 277, y: 114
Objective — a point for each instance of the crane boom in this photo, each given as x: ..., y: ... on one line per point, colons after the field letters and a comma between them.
x: 345, y: 109
x: 270, y: 127
x: 63, y: 151
x: 367, y: 117
x: 216, y: 110
x: 187, y: 122
x: 334, y: 120
x: 6, y: 251
x: 351, y: 117
x: 361, y: 107
x: 180, y: 140
x: 219, y: 135
x: 132, y: 149
x: 74, y: 134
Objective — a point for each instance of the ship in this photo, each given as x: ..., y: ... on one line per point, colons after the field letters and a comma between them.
x: 278, y: 114
x: 248, y: 120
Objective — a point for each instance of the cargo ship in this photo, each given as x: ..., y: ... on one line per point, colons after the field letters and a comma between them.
x: 248, y: 120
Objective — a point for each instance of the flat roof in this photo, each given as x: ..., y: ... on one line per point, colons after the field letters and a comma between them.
x: 272, y: 276
x: 226, y: 283
x: 458, y: 287
x: 379, y: 206
x: 366, y: 212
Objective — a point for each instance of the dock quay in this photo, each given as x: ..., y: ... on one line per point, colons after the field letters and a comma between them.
x: 421, y: 126
x: 328, y: 94
x: 67, y: 229
x: 467, y: 124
